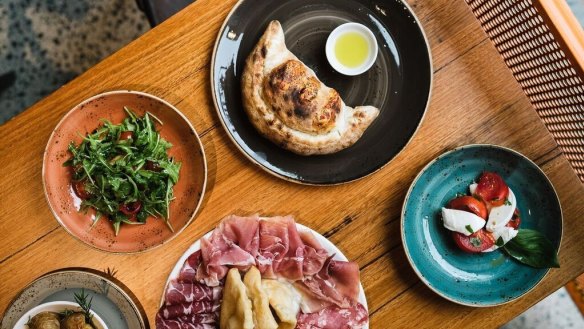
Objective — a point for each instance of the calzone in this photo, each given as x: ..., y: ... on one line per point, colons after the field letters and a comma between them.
x: 288, y: 104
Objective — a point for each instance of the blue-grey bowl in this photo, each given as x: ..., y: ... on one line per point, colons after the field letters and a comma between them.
x: 484, y: 279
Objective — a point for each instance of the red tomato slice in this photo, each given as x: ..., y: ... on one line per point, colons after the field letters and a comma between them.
x: 515, y: 220
x: 124, y: 135
x: 152, y: 166
x: 470, y: 204
x: 131, y: 209
x: 80, y: 190
x: 476, y: 242
x: 492, y: 188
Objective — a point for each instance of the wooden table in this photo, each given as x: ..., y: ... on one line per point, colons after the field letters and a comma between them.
x: 474, y: 100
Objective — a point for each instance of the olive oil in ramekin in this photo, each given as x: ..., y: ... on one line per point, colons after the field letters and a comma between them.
x: 352, y: 49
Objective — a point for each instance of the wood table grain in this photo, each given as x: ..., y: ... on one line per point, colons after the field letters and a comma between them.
x: 474, y: 100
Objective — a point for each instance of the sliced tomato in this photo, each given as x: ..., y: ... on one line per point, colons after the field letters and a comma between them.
x: 515, y: 220
x: 131, y: 209
x: 470, y: 204
x: 479, y: 241
x: 124, y: 135
x: 152, y: 166
x: 491, y: 188
x: 80, y: 189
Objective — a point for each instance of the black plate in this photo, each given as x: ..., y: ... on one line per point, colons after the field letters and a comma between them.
x: 398, y: 83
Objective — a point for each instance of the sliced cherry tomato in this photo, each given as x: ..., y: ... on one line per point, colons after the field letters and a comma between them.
x: 492, y: 189
x: 476, y: 242
x: 81, y: 190
x: 131, y: 209
x: 470, y: 204
x: 124, y: 135
x: 515, y: 220
x: 152, y: 166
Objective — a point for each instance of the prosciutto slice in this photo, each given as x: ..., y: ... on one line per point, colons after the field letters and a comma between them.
x: 291, y: 265
x: 180, y: 293
x: 273, y: 245
x: 337, y: 282
x: 283, y: 253
x: 174, y: 324
x: 205, y: 318
x: 188, y: 272
x: 178, y: 310
x: 314, y: 254
x: 198, y: 321
x: 234, y: 243
x: 333, y: 317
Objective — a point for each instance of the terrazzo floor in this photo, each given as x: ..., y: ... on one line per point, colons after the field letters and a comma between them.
x: 46, y: 43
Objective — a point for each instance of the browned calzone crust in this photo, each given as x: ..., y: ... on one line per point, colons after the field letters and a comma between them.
x: 287, y: 103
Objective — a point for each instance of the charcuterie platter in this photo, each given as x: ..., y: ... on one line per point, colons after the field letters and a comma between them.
x: 302, y: 275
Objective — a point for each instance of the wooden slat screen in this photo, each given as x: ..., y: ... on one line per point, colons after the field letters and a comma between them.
x: 548, y: 77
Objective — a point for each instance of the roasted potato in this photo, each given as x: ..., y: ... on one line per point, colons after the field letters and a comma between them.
x: 44, y: 320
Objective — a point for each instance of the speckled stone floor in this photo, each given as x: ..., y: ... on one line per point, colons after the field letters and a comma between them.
x: 46, y: 43
x: 555, y: 311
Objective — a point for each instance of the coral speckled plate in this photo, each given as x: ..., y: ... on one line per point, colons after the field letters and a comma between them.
x: 84, y: 118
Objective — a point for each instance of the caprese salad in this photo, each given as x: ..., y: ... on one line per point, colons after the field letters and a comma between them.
x: 488, y: 219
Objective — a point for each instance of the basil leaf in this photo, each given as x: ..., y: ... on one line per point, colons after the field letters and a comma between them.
x: 533, y: 249
x: 500, y: 242
x: 469, y: 228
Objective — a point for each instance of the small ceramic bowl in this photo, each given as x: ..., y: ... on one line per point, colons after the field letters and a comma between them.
x: 362, y: 30
x: 117, y: 306
x: 186, y: 149
x: 56, y: 307
x: 483, y: 279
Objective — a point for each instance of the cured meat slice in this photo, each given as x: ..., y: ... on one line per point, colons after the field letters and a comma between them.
x: 337, y: 282
x: 314, y: 260
x: 234, y: 243
x: 179, y: 293
x: 310, y: 303
x: 174, y: 324
x: 273, y: 245
x: 178, y: 310
x: 283, y: 253
x: 201, y: 321
x: 333, y: 317
x: 291, y: 265
x: 188, y: 272
x: 242, y: 231
x: 204, y: 318
x: 314, y: 254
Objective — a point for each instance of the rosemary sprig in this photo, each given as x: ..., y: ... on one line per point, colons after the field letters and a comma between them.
x: 81, y: 299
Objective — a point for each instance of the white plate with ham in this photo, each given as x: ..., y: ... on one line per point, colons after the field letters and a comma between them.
x: 323, y: 289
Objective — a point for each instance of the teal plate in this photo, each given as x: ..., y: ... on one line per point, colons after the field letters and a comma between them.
x: 485, y: 279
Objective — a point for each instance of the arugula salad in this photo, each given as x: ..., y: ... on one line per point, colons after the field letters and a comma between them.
x: 124, y: 172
